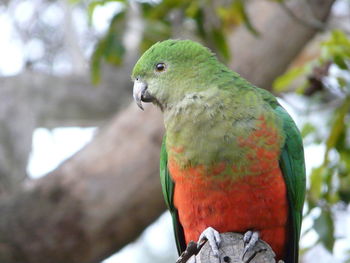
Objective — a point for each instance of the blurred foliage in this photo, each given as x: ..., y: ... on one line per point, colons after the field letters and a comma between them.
x: 206, y: 21
x: 335, y: 50
x: 109, y: 47
x: 326, y: 81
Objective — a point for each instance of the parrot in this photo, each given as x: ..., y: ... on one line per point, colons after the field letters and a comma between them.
x: 231, y: 159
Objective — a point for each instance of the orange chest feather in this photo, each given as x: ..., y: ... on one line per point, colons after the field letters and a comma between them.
x: 251, y: 202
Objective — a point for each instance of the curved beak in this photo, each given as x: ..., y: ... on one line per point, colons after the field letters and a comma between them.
x: 140, y: 93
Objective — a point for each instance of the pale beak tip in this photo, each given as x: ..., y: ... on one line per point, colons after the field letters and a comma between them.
x: 138, y: 90
x: 137, y: 98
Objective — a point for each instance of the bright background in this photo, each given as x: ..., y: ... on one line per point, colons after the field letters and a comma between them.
x: 51, y: 147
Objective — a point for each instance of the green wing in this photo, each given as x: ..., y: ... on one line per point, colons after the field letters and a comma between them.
x: 293, y: 169
x: 168, y: 193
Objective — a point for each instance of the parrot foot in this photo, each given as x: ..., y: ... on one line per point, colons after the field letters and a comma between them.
x: 250, y: 239
x: 213, y: 238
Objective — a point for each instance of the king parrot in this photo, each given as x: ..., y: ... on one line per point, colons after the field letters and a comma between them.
x: 232, y: 158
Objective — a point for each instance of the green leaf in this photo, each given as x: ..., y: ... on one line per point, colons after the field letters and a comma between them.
x: 282, y: 82
x: 316, y: 181
x: 344, y: 183
x: 93, y: 4
x: 192, y: 9
x: 96, y: 62
x: 324, y: 227
x: 199, y: 19
x: 114, y: 49
x: 110, y: 47
x: 240, y: 8
x: 91, y: 9
x: 302, y: 87
x: 336, y: 48
x: 337, y: 127
x: 307, y: 129
x: 342, y: 82
x: 340, y: 62
x: 221, y: 43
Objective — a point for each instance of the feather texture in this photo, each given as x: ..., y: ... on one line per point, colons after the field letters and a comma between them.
x: 232, y: 157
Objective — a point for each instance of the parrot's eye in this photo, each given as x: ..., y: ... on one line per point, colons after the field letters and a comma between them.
x: 160, y: 67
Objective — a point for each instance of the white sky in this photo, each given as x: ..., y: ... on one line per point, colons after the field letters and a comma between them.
x: 11, y: 49
x: 51, y: 147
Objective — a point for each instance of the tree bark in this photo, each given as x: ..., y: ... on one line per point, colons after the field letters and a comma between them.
x: 95, y: 203
x: 32, y: 100
x: 104, y: 196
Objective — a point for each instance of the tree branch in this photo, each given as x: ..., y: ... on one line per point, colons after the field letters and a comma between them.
x: 281, y: 39
x: 231, y: 249
x: 71, y: 100
x: 32, y: 100
x: 94, y: 203
x: 308, y: 22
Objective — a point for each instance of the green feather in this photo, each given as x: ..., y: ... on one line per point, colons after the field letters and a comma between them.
x: 168, y: 193
x: 293, y: 169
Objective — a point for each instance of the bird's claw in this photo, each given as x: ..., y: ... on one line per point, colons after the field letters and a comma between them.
x: 213, y: 238
x: 250, y: 239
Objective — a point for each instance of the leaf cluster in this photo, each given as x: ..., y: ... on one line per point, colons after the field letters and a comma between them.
x: 326, y: 82
x: 204, y: 20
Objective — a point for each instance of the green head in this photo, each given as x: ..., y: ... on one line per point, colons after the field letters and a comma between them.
x: 169, y: 70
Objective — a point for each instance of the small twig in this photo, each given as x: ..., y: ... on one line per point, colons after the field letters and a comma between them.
x: 254, y: 254
x: 313, y: 23
x: 191, y: 249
